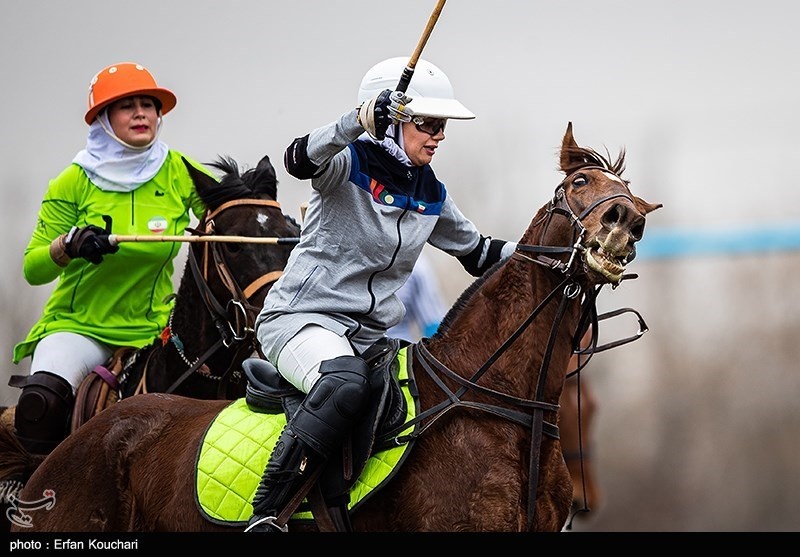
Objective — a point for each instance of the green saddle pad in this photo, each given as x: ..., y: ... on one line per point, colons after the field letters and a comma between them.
x: 237, y: 445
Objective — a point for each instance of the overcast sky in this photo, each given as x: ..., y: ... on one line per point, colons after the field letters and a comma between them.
x: 703, y: 94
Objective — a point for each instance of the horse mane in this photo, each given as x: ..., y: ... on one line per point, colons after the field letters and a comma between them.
x: 586, y: 156
x: 461, y: 302
x: 237, y: 185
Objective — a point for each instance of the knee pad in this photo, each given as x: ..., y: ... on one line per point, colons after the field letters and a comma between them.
x: 336, y: 401
x: 41, y: 417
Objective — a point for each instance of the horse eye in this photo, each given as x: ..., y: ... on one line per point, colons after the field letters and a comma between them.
x: 579, y: 180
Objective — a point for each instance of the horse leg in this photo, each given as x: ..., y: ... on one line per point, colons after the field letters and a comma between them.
x: 555, y: 490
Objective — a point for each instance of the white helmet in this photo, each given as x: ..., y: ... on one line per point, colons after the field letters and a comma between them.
x: 430, y: 90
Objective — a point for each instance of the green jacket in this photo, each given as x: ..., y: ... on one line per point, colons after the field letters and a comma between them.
x: 125, y: 300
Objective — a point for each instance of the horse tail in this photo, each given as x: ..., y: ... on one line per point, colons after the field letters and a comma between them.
x: 16, y: 462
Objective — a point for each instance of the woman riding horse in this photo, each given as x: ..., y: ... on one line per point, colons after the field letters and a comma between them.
x: 210, y: 328
x: 375, y: 202
x: 107, y: 296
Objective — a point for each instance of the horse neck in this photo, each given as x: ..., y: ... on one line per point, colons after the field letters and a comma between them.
x: 501, y: 305
x: 192, y: 324
x: 191, y: 319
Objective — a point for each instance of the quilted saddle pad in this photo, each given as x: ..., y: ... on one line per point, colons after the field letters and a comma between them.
x: 236, y: 448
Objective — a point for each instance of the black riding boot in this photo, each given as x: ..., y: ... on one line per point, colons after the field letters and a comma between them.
x: 43, y: 410
x: 316, y: 430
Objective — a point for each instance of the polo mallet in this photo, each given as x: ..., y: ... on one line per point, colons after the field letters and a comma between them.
x: 115, y: 239
x: 408, y: 71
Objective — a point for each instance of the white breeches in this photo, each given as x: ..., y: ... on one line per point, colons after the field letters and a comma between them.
x: 69, y: 355
x: 300, y: 359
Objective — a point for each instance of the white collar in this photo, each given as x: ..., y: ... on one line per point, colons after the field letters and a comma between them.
x: 113, y: 165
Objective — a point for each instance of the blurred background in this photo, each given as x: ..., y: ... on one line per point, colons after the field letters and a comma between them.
x: 698, y: 427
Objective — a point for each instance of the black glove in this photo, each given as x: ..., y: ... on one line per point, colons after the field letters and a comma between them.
x: 90, y: 242
x: 377, y: 113
x: 488, y: 252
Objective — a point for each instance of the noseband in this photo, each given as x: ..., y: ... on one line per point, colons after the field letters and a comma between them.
x: 559, y: 204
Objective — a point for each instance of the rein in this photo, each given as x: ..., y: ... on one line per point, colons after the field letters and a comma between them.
x: 235, y: 321
x: 532, y: 413
x: 526, y: 412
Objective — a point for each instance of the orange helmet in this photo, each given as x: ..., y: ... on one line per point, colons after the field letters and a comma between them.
x: 123, y: 80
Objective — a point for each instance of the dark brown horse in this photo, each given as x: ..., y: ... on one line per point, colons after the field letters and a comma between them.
x: 222, y: 288
x: 485, y: 453
x: 576, y: 415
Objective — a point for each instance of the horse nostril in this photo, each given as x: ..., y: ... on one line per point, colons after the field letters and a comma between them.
x: 637, y: 231
x: 613, y: 216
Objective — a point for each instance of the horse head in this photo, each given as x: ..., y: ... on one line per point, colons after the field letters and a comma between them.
x: 246, y: 242
x: 507, y: 341
x: 243, y: 205
x: 606, y: 219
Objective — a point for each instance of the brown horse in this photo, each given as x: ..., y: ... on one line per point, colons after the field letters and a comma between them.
x: 222, y: 288
x: 576, y: 415
x: 485, y: 453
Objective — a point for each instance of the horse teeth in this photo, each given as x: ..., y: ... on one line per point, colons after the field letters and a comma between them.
x: 603, y: 265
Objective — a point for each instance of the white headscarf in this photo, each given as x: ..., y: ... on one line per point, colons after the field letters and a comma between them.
x: 392, y: 143
x: 112, y: 164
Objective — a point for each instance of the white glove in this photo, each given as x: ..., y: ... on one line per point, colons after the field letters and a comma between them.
x: 376, y: 114
x: 508, y: 250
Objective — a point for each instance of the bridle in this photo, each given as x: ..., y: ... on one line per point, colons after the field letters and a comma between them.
x: 235, y: 321
x: 559, y: 205
x: 526, y: 412
x: 233, y: 326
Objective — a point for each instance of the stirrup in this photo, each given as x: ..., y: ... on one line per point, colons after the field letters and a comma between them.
x: 266, y: 524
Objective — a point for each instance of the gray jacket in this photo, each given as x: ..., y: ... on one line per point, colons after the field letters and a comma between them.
x: 368, y: 218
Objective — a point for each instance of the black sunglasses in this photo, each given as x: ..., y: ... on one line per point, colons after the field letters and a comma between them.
x: 430, y: 126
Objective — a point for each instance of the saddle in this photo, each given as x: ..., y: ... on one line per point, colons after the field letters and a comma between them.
x: 268, y: 392
x: 100, y: 389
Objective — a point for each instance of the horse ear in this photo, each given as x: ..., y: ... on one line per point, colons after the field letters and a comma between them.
x: 569, y: 150
x: 644, y: 206
x: 265, y: 166
x: 202, y: 181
